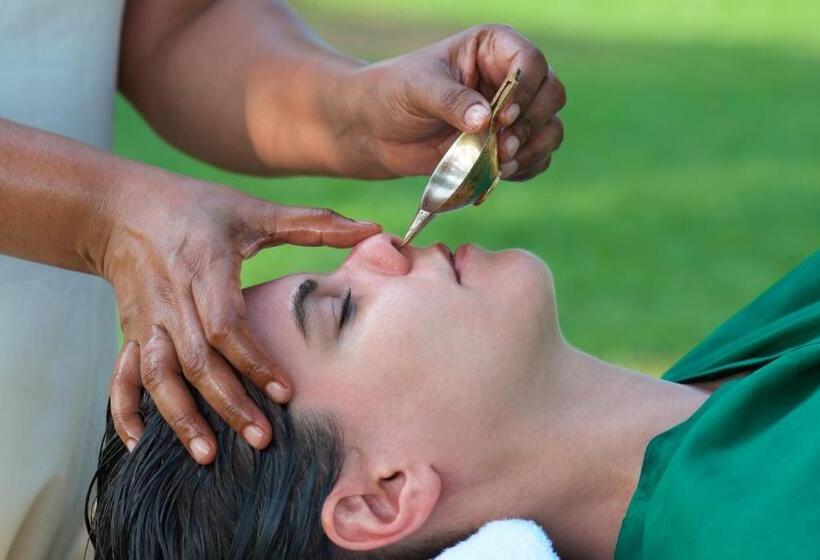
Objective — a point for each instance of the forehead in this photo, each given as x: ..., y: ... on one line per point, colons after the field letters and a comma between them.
x: 270, y: 314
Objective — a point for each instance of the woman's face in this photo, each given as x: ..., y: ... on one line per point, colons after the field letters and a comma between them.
x: 406, y: 346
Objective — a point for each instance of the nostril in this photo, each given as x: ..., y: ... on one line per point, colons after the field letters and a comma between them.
x: 395, y: 241
x: 380, y: 253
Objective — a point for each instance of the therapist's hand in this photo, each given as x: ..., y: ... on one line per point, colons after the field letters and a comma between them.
x: 412, y: 104
x: 173, y: 257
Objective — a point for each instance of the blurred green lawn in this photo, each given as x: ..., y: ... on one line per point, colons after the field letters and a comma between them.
x: 688, y: 182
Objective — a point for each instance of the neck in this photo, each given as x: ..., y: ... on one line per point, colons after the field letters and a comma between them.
x: 585, y: 431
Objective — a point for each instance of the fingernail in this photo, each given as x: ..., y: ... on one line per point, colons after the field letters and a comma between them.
x: 254, y: 435
x: 476, y: 115
x: 511, y: 145
x: 200, y: 448
x: 131, y: 444
x: 512, y: 113
x: 509, y: 168
x: 278, y: 392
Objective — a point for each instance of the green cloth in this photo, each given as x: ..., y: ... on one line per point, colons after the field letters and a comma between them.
x: 740, y: 479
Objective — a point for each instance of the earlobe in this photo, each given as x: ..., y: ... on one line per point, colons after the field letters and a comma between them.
x: 365, y: 515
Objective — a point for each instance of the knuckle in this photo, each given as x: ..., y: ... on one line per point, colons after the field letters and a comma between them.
x: 195, y: 364
x: 531, y: 168
x: 183, y: 424
x: 547, y: 164
x: 219, y: 329
x: 256, y: 371
x: 560, y: 95
x: 536, y: 169
x: 152, y: 374
x: 559, y: 132
x: 153, y: 345
x: 120, y: 421
x: 187, y: 260
x: 536, y: 57
x: 165, y: 292
x: 454, y: 98
x: 524, y: 127
x: 233, y: 413
x: 498, y: 28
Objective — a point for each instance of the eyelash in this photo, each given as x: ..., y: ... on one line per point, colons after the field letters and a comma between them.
x: 346, y: 309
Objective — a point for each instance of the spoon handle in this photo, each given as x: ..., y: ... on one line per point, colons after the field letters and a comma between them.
x: 503, y: 94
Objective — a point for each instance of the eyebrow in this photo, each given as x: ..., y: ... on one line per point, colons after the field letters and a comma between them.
x: 297, y: 303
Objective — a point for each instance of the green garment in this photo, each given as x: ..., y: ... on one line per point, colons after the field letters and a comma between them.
x: 740, y: 479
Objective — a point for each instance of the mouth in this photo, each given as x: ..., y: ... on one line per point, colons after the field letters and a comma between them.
x: 448, y: 254
x: 458, y: 259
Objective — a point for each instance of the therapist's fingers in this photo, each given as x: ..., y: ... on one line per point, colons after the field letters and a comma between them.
x: 221, y: 307
x: 299, y: 225
x: 162, y: 378
x: 126, y: 394
x: 536, y: 154
x: 440, y: 93
x: 502, y: 49
x: 535, y: 169
x: 547, y: 102
x: 214, y: 379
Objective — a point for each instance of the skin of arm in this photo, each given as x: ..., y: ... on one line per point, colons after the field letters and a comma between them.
x: 244, y: 84
x: 60, y: 214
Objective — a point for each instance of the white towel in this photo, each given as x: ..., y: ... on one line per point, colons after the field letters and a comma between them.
x: 508, y: 539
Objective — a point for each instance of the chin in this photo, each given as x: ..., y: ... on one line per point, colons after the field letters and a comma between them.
x: 521, y: 268
x: 527, y: 286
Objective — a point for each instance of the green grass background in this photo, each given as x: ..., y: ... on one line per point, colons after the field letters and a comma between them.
x: 689, y: 179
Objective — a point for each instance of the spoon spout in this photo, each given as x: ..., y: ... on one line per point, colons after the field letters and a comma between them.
x: 422, y: 218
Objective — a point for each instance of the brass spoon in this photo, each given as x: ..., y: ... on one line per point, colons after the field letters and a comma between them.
x: 468, y: 172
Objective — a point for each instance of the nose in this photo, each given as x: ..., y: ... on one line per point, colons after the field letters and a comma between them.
x: 379, y: 254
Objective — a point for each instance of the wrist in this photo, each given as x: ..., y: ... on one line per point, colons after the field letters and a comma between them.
x: 96, y: 211
x: 134, y: 188
x: 348, y: 108
x: 312, y: 118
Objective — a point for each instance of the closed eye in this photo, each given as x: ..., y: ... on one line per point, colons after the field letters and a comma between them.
x: 347, y: 308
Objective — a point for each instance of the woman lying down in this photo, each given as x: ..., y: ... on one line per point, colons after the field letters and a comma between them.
x: 433, y: 395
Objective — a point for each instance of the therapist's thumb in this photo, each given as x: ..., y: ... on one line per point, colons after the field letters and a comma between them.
x: 300, y: 225
x: 451, y: 101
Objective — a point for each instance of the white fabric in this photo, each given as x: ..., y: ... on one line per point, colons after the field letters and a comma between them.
x: 509, y: 539
x: 58, y: 63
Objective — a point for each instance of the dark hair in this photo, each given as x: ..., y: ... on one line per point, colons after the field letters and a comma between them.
x: 158, y: 503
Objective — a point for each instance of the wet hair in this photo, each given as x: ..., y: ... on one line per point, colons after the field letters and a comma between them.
x: 158, y: 503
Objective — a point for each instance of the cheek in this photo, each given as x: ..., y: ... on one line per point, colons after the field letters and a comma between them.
x: 421, y: 341
x: 495, y: 325
x: 424, y: 336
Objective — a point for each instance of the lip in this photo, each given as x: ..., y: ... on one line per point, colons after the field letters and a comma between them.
x: 459, y: 259
x: 448, y: 254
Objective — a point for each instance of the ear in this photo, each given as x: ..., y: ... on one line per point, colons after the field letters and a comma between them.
x: 365, y: 511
